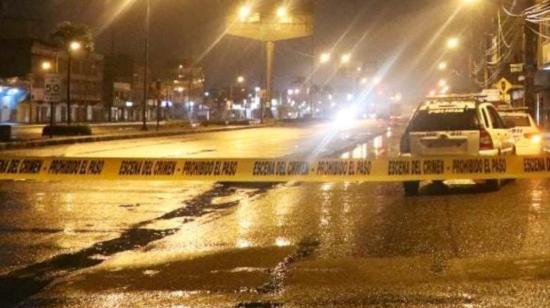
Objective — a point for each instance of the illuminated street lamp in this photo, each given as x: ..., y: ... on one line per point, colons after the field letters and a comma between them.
x: 442, y: 66
x: 453, y: 43
x: 282, y: 12
x: 46, y: 66
x: 345, y: 59
x: 244, y: 12
x: 75, y: 46
x: 240, y: 79
x: 442, y: 83
x: 325, y: 57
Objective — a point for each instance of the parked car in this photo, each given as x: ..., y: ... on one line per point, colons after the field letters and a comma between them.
x: 455, y: 126
x: 527, y: 136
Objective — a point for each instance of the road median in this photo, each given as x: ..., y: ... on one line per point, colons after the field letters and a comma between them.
x: 24, y: 144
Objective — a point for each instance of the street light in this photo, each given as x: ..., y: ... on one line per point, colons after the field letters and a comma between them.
x: 46, y: 66
x: 244, y: 12
x: 282, y: 12
x: 442, y: 66
x: 240, y: 79
x: 75, y: 46
x: 325, y: 57
x: 442, y: 83
x: 345, y: 59
x: 453, y: 43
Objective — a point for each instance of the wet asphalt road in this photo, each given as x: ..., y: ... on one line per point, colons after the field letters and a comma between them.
x: 292, y: 244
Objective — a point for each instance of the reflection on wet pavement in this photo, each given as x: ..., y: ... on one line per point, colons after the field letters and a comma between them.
x: 331, y: 244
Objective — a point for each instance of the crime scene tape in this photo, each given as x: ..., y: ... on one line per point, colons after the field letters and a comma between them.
x: 275, y: 170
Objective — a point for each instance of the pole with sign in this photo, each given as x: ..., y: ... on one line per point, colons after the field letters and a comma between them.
x: 52, y: 94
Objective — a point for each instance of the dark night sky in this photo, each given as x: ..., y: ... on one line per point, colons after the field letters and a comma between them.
x: 381, y: 30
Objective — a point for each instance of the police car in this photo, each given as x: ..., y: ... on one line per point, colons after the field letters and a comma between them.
x: 527, y: 136
x: 455, y: 125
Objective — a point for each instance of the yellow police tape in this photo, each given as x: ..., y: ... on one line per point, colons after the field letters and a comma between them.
x: 275, y: 170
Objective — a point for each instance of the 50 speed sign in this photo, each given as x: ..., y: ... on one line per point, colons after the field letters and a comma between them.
x: 52, y: 88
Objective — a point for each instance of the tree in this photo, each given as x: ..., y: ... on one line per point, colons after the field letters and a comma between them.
x: 67, y: 32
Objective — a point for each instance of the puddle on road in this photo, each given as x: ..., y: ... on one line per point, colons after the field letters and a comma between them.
x: 17, y: 286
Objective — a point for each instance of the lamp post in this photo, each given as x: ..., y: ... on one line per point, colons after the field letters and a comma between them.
x: 453, y: 43
x: 240, y: 80
x: 146, y: 65
x: 46, y: 67
x: 73, y: 47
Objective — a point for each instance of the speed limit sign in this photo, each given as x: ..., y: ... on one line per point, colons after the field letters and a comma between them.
x: 52, y: 88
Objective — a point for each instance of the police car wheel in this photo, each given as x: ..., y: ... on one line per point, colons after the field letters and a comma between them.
x: 411, y: 188
x: 493, y: 185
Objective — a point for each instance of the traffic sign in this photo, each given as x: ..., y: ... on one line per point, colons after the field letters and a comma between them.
x: 503, y: 85
x: 52, y: 88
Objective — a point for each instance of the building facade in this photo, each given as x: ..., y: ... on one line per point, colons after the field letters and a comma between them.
x: 24, y: 64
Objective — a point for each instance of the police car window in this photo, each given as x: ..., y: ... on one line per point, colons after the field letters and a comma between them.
x: 485, y: 120
x: 495, y: 118
x: 445, y: 120
x: 517, y: 121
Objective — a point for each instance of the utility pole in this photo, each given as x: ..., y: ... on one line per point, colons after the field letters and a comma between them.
x: 270, y: 52
x: 530, y: 62
x: 69, y: 64
x: 190, y: 89
x: 146, y: 64
x: 158, y: 88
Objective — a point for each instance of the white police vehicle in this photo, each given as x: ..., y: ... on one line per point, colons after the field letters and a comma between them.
x: 455, y: 125
x: 527, y: 136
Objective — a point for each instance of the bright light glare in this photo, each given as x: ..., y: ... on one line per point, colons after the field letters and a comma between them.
x: 442, y: 83
x: 74, y: 45
x: 442, y: 66
x: 537, y: 139
x: 282, y: 12
x: 244, y: 12
x: 240, y: 79
x: 325, y: 57
x: 344, y: 118
x: 46, y: 65
x: 345, y: 59
x: 453, y: 43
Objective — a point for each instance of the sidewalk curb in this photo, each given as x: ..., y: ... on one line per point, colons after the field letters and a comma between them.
x: 88, y: 139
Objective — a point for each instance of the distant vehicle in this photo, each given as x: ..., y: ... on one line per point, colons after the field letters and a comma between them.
x: 455, y: 126
x: 527, y: 136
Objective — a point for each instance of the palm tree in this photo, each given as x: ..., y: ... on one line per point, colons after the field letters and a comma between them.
x: 72, y: 37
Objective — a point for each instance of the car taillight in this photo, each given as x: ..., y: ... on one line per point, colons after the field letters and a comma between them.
x: 485, y: 140
x: 534, y: 138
